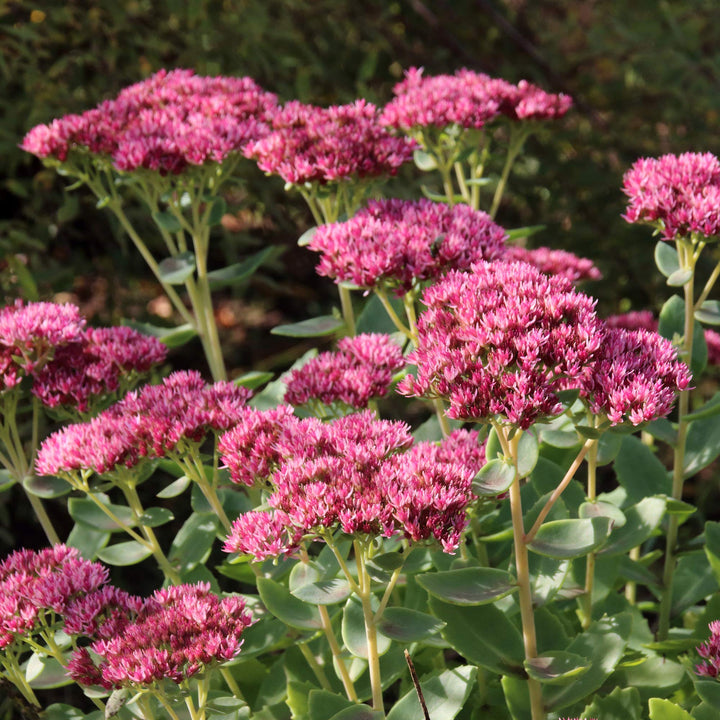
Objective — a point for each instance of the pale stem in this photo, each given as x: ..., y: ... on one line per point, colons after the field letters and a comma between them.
x: 462, y: 184
x: 17, y: 678
x: 347, y: 309
x: 631, y: 585
x: 442, y: 417
x: 476, y: 172
x: 43, y: 518
x: 115, y: 518
x: 559, y: 490
x: 315, y: 667
x: 393, y: 315
x: 522, y: 570
x: 336, y: 651
x: 517, y: 140
x: 586, y: 602
x: 445, y: 172
x: 686, y: 261
x: 166, y: 704
x: 145, y: 707
x: 230, y: 682
x: 388, y: 592
x: 197, y: 473
x: 708, y: 286
x: 133, y: 500
x: 370, y: 628
x: 194, y: 713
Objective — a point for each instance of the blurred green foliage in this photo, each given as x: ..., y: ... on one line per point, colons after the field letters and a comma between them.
x: 644, y: 75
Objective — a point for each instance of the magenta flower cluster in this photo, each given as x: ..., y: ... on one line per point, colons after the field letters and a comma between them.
x: 361, y: 369
x: 397, y: 243
x: 635, y: 377
x: 310, y: 144
x: 554, y: 262
x: 357, y: 474
x: 710, y: 652
x: 70, y: 365
x: 680, y: 194
x: 147, y: 423
x: 166, y: 123
x: 175, y: 634
x: 500, y: 341
x: 34, y: 583
x: 467, y: 99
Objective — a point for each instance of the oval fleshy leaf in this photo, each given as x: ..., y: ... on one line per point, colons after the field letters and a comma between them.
x: 315, y: 327
x: 176, y: 270
x: 45, y: 486
x: 406, y: 625
x: 603, y: 509
x: 125, y: 553
x: 469, y: 586
x: 556, y: 668
x: 570, y: 538
x: 666, y: 258
x: 353, y: 629
x: 493, y: 478
x: 323, y: 592
x: 285, y: 607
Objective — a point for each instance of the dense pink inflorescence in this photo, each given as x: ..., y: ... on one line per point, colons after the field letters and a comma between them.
x: 96, y: 366
x: 147, y: 423
x: 468, y: 99
x: 361, y: 369
x: 47, y: 580
x: 177, y: 633
x: 555, y: 262
x: 710, y: 651
x: 678, y: 193
x: 103, y: 613
x: 397, y: 243
x: 310, y: 144
x: 500, y: 342
x: 360, y: 474
x: 166, y: 123
x: 645, y: 320
x: 29, y: 335
x: 636, y: 377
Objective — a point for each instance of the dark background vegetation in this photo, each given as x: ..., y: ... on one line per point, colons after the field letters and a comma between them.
x: 645, y: 76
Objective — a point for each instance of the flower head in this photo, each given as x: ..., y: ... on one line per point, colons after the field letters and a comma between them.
x: 555, y: 262
x: 467, y: 99
x: 710, y: 651
x: 147, y: 423
x: 166, y: 123
x: 635, y: 377
x: 32, y: 582
x: 310, y: 144
x: 361, y: 475
x: 361, y: 369
x: 397, y: 243
x: 500, y: 342
x: 95, y: 366
x: 177, y: 633
x: 680, y: 194
x: 30, y: 334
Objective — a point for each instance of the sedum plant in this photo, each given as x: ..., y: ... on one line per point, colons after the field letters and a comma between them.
x: 516, y: 553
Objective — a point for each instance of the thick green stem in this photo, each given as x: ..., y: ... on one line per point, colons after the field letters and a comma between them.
x: 517, y: 140
x: 522, y: 570
x: 336, y: 651
x: 17, y: 678
x: 442, y: 417
x: 133, y: 500
x: 43, y: 518
x: 686, y: 261
x: 315, y: 666
x: 347, y: 309
x: 396, y: 321
x: 586, y: 598
x: 230, y: 682
x: 558, y: 490
x: 370, y: 628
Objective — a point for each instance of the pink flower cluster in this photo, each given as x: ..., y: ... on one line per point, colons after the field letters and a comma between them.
x: 467, y: 99
x: 360, y: 474
x: 500, y: 341
x: 361, y: 369
x: 645, y: 320
x: 680, y: 194
x: 397, y: 243
x: 70, y: 364
x: 635, y: 377
x: 555, y: 262
x: 710, y: 651
x: 165, y: 123
x: 96, y: 366
x: 310, y: 144
x: 176, y: 633
x: 147, y: 423
x: 29, y: 334
x: 33, y: 583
